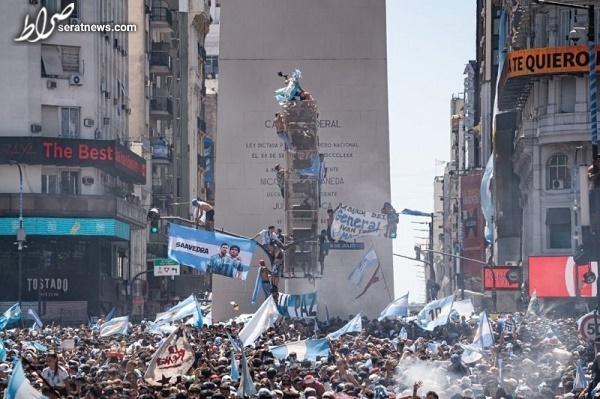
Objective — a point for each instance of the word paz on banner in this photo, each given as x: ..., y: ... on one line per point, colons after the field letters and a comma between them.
x: 41, y: 22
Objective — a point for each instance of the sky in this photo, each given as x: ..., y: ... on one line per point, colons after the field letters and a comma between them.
x: 429, y: 43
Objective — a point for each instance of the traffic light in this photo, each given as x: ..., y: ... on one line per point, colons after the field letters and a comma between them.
x: 154, y: 217
x: 393, y: 220
x: 417, y: 252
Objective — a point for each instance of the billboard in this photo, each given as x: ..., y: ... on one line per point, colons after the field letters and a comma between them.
x: 108, y: 155
x: 66, y: 227
x: 472, y: 224
x: 559, y: 277
x: 503, y: 280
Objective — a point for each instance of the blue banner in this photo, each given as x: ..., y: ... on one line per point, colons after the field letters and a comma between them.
x: 209, y: 169
x: 211, y: 252
x: 297, y: 306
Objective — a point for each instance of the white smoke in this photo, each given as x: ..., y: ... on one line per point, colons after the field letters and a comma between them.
x: 433, y: 375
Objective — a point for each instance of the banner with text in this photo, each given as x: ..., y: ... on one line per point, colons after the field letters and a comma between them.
x: 349, y: 222
x: 211, y: 252
x: 298, y: 305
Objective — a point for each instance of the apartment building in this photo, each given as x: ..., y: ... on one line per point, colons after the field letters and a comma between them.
x: 64, y: 113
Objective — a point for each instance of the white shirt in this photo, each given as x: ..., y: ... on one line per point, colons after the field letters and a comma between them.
x: 55, y: 379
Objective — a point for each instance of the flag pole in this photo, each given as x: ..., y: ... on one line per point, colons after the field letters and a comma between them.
x: 386, y: 285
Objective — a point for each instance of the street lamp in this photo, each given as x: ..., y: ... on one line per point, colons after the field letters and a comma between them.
x: 21, y: 235
x: 411, y: 212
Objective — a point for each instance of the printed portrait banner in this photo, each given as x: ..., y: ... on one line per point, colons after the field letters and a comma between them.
x: 349, y: 222
x: 298, y: 305
x: 210, y: 252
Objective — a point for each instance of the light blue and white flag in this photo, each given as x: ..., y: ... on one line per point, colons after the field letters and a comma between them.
x: 307, y: 349
x: 211, y: 252
x: 183, y: 309
x: 39, y: 347
x: 235, y: 372
x: 19, y: 386
x: 111, y: 314
x: 484, y: 338
x: 118, y: 325
x: 246, y: 388
x: 196, y: 320
x: 403, y: 333
x: 297, y: 305
x: 12, y: 315
x: 580, y: 381
x: 2, y: 351
x: 368, y: 261
x: 233, y: 342
x: 264, y: 318
x: 398, y: 308
x: 354, y: 325
x: 435, y: 313
x: 37, y: 322
x: 464, y: 308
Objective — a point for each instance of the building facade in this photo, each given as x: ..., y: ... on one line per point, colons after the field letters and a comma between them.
x: 67, y: 149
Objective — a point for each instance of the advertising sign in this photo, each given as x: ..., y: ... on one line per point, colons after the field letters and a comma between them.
x: 108, y: 155
x: 547, y: 61
x: 472, y: 224
x: 505, y: 278
x: 66, y: 227
x: 559, y: 277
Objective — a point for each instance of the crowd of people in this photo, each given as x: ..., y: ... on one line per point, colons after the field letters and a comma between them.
x: 537, y: 359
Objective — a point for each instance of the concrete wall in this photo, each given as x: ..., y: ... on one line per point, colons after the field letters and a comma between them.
x: 344, y: 66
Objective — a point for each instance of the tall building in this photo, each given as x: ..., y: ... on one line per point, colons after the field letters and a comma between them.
x: 64, y: 133
x: 344, y: 67
x: 541, y: 141
x: 168, y: 56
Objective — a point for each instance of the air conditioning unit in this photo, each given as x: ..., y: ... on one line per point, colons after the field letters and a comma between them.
x: 51, y: 84
x: 558, y: 184
x: 75, y: 80
x: 88, y: 181
x: 511, y: 263
x: 88, y: 122
x: 36, y: 128
x: 98, y: 134
x: 74, y: 21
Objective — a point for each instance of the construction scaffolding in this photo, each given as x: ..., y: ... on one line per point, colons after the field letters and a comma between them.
x: 302, y: 189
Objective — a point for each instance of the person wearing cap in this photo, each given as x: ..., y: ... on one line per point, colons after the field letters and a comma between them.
x: 199, y: 208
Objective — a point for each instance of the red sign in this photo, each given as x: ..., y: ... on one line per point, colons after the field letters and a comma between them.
x: 502, y: 282
x: 559, y: 277
x: 108, y: 155
x: 472, y: 224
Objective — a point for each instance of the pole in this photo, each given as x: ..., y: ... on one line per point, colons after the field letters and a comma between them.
x: 20, y: 234
x: 430, y: 258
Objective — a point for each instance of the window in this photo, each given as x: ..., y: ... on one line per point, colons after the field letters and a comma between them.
x: 75, y: 13
x: 558, y: 222
x: 567, y: 21
x: 211, y: 66
x: 52, y: 6
x: 567, y: 94
x: 60, y: 61
x: 69, y: 122
x: 69, y: 182
x: 50, y: 121
x: 558, y: 176
x: 49, y: 183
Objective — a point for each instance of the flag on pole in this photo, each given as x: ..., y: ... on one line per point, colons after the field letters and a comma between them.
x: 196, y: 320
x: 37, y: 322
x: 234, y: 342
x: 354, y: 325
x: 368, y: 261
x: 398, y: 308
x: 327, y: 315
x: 118, y: 325
x: 173, y: 359
x: 484, y: 338
x: 185, y: 308
x: 246, y: 388
x: 12, y: 315
x: 308, y: 349
x: 372, y: 281
x: 264, y: 318
x: 580, y: 381
x: 235, y: 372
x: 19, y: 386
x: 111, y: 314
x: 435, y: 313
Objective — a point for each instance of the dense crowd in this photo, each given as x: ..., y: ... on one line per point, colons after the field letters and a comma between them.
x: 537, y: 360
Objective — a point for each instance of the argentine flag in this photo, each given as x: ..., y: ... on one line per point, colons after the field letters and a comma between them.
x: 435, y: 313
x: 398, y: 308
x: 37, y: 322
x: 264, y: 318
x: 354, y: 325
x: 580, y: 380
x: 367, y: 262
x: 484, y: 338
x: 118, y: 325
x: 19, y: 386
x: 307, y: 349
x: 185, y: 308
x: 12, y: 315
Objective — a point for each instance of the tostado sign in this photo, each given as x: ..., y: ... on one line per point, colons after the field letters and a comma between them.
x: 108, y: 155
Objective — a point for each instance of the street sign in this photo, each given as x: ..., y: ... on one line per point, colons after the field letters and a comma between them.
x: 344, y: 245
x: 138, y: 300
x: 165, y: 262
x: 165, y: 271
x: 587, y: 328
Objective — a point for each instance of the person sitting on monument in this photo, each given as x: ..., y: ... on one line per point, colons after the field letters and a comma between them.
x: 279, y: 125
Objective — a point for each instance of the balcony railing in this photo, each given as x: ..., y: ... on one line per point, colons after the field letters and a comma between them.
x: 161, y: 18
x: 161, y: 107
x: 160, y: 61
